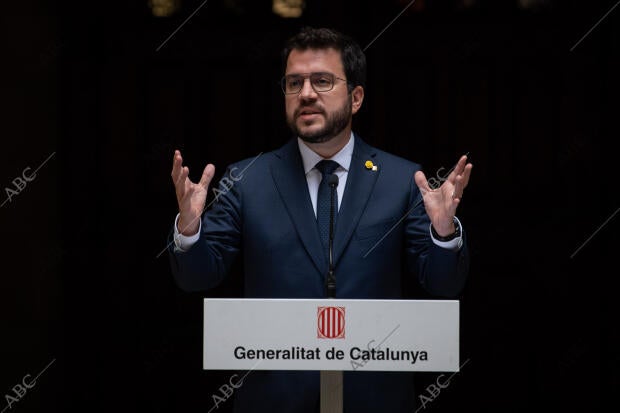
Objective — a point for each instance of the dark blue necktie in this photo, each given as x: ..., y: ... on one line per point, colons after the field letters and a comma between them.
x: 323, y: 201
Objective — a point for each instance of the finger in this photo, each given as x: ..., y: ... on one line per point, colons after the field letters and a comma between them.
x: 189, y: 187
x: 421, y: 182
x: 460, y: 165
x: 466, y: 174
x: 184, y: 178
x: 182, y: 184
x: 207, y: 175
x: 177, y: 163
x: 462, y: 181
x: 456, y: 170
x: 458, y: 188
x: 460, y: 169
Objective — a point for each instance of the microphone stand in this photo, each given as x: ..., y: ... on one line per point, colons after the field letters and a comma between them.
x: 331, y: 276
x: 331, y: 381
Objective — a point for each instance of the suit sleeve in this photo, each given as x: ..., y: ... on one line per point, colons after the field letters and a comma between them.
x: 205, y: 264
x: 440, y: 271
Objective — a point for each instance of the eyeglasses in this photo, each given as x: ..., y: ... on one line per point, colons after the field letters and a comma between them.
x: 320, y: 82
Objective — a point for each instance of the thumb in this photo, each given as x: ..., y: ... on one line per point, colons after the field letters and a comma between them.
x: 207, y: 175
x: 421, y: 182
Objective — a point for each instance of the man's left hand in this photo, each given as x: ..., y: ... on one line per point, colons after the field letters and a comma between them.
x: 441, y: 203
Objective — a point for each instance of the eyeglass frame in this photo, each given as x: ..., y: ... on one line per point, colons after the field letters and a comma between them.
x: 307, y: 76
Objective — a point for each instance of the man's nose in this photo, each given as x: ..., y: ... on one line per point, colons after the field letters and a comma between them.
x: 307, y: 91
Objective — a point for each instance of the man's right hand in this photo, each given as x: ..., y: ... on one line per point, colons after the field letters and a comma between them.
x: 191, y: 197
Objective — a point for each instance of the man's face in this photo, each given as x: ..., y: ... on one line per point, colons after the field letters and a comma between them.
x: 318, y: 117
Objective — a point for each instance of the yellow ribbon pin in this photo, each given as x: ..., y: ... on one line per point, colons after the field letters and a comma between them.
x: 370, y: 165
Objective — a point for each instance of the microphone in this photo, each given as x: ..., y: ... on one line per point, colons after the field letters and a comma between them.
x: 332, y: 181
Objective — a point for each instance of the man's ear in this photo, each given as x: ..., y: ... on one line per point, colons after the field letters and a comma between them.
x: 357, y: 97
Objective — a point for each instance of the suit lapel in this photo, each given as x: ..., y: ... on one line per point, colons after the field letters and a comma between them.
x: 290, y: 180
x: 360, y: 183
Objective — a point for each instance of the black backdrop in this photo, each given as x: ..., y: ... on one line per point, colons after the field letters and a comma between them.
x: 98, y: 97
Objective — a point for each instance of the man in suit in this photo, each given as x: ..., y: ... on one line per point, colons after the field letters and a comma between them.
x: 389, y: 219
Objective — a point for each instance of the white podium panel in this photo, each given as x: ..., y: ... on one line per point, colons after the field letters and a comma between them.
x: 331, y: 334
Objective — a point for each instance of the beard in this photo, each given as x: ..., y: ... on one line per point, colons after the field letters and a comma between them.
x: 334, y: 124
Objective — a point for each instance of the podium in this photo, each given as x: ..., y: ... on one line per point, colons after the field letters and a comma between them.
x: 331, y: 336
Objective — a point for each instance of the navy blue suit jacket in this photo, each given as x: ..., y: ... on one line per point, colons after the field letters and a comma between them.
x: 267, y: 217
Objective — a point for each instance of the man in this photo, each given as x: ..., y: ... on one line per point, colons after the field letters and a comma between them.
x: 273, y: 214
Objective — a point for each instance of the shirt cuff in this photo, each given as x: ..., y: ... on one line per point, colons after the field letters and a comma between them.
x: 183, y: 242
x: 454, y: 244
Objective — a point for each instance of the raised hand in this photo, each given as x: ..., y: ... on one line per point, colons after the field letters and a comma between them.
x: 191, y: 197
x: 441, y: 203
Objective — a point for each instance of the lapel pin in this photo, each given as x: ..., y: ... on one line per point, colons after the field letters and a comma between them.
x: 370, y: 165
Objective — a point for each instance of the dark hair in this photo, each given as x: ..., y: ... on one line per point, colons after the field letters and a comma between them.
x: 352, y: 56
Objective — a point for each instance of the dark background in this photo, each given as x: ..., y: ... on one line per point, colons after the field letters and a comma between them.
x: 90, y: 87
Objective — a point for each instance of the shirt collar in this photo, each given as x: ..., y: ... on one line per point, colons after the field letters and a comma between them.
x: 311, y: 158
